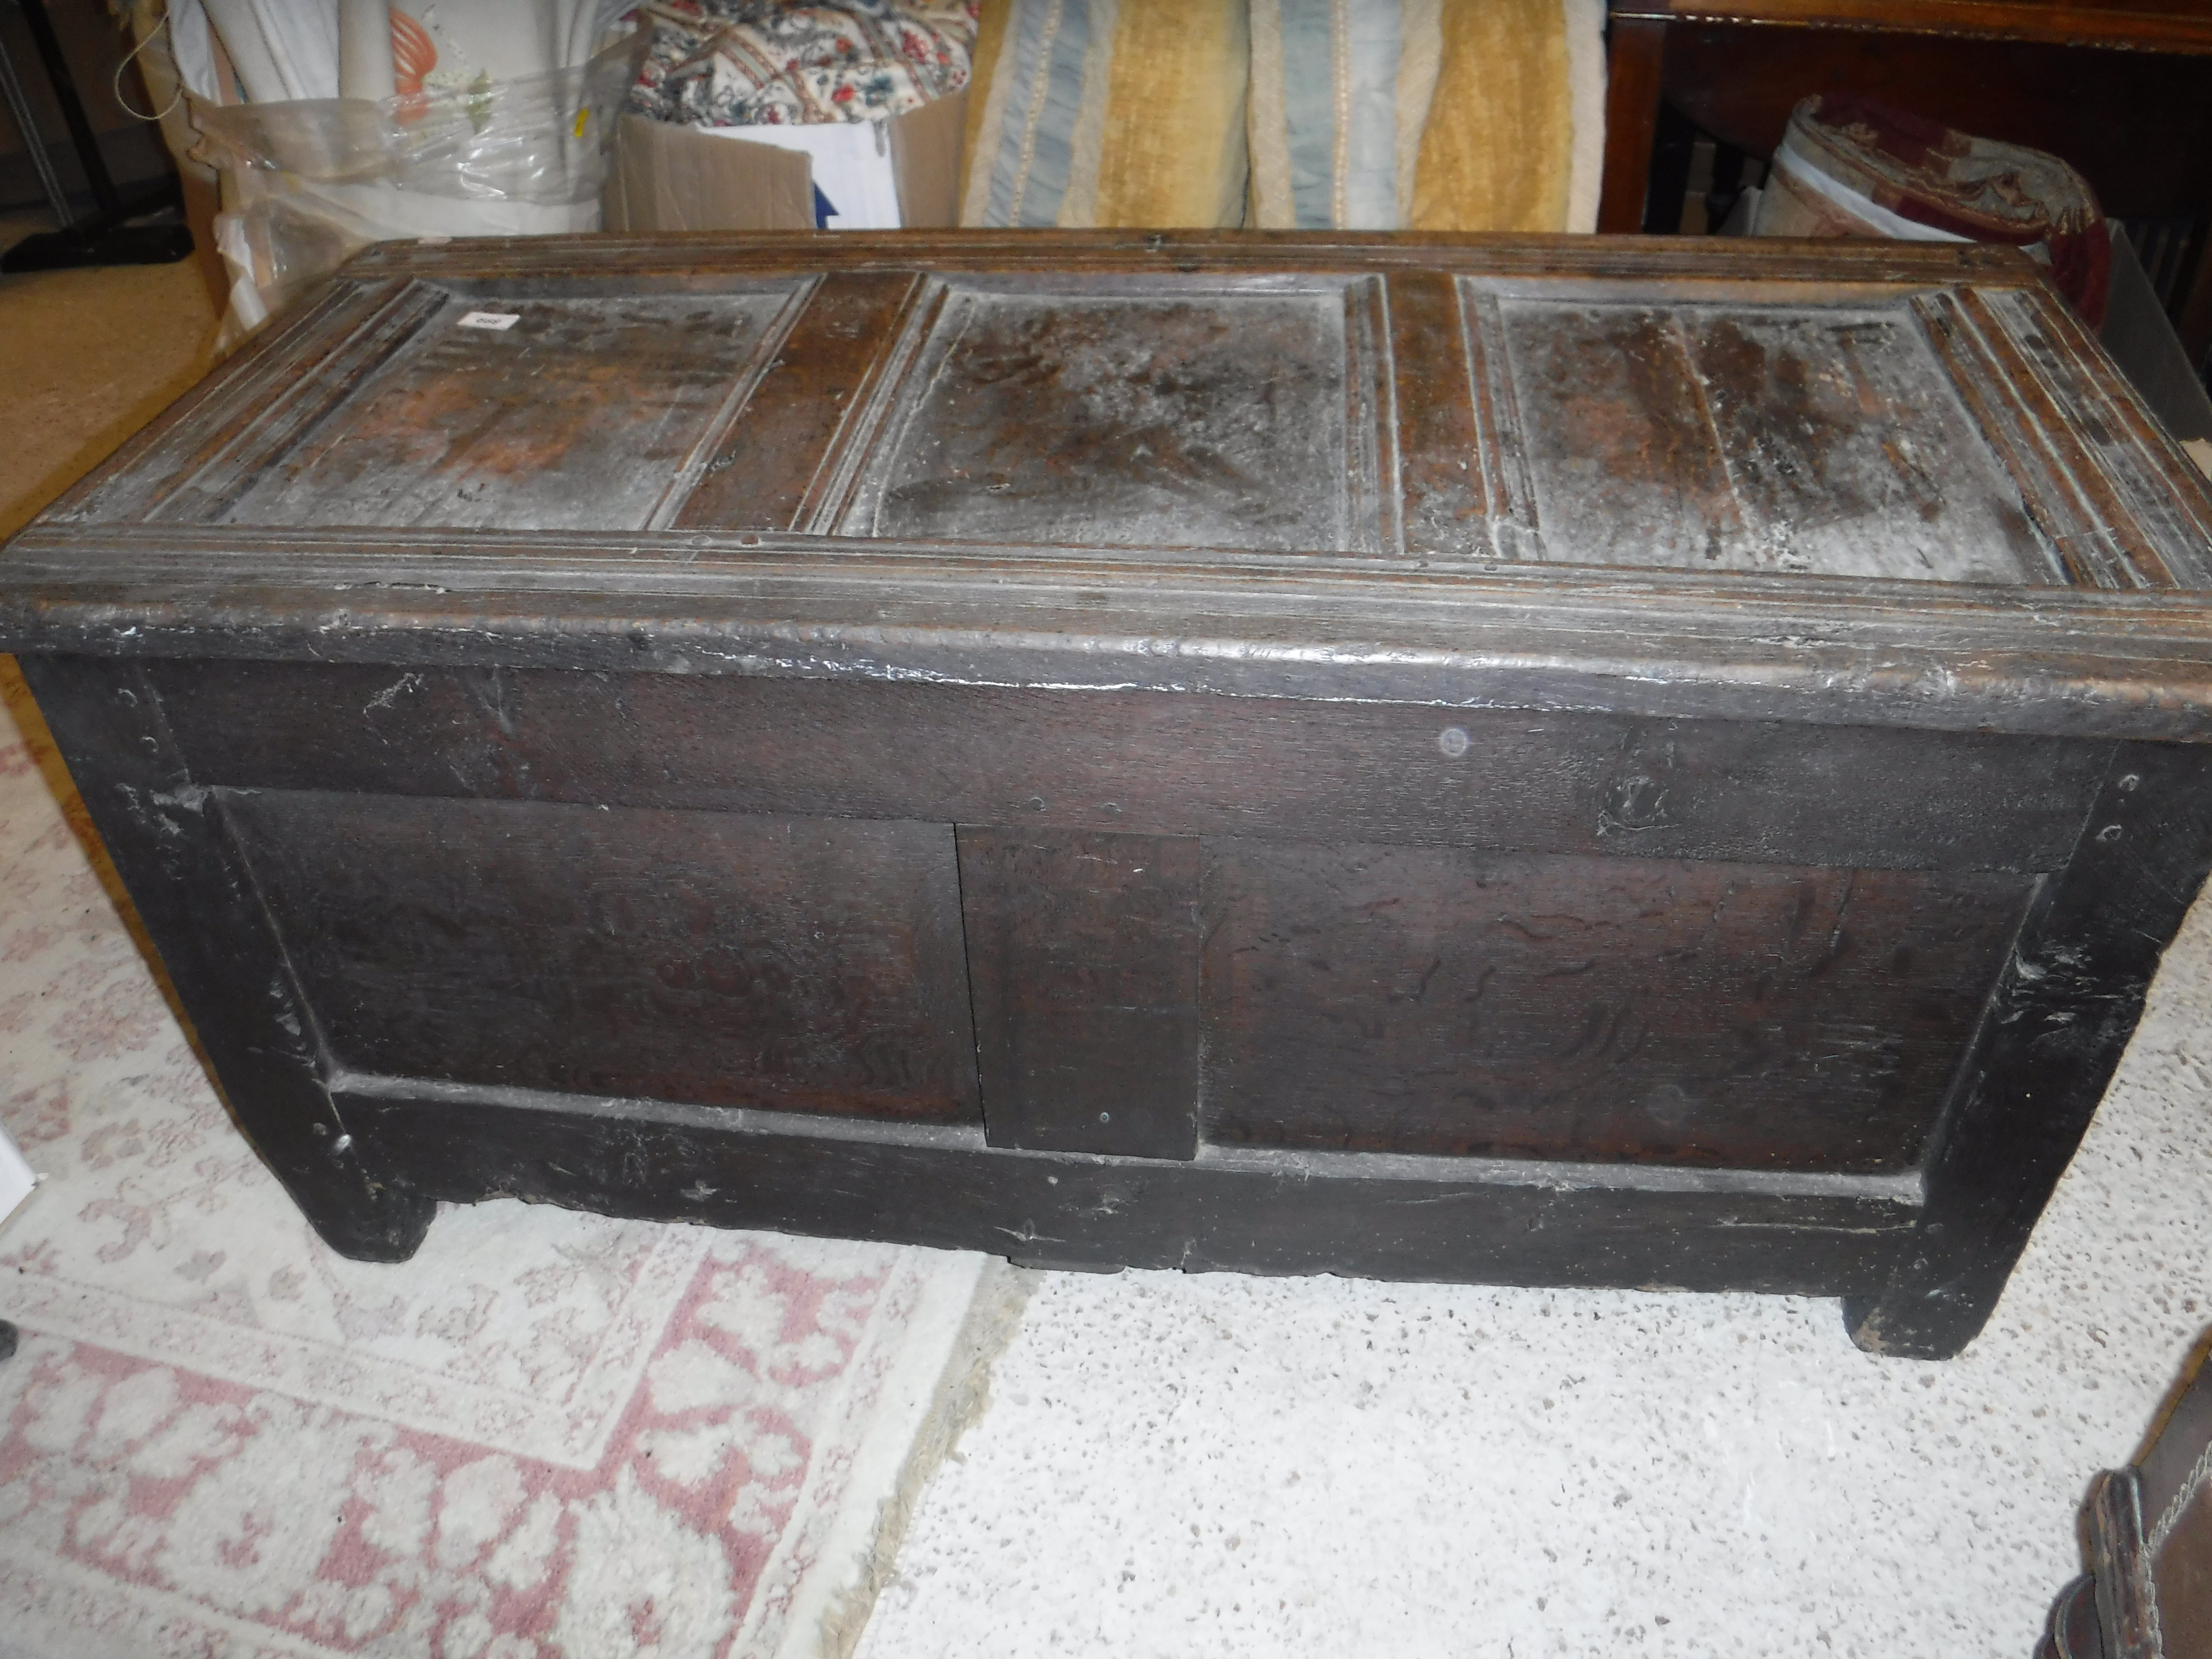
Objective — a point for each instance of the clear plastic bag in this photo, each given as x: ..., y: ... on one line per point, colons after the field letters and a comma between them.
x: 307, y: 184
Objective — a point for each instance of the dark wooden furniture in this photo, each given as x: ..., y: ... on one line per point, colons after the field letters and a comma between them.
x: 1541, y: 761
x: 107, y: 236
x: 2121, y: 88
x: 2149, y: 1531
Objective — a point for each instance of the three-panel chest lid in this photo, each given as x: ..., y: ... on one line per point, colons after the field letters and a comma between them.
x: 1886, y: 482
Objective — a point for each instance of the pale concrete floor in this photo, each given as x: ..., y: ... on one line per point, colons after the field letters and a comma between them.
x: 1224, y: 1466
x: 1219, y: 1465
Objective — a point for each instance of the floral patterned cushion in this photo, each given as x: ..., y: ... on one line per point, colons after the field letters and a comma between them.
x: 764, y: 63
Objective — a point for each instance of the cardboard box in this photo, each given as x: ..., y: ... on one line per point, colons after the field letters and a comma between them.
x: 673, y: 178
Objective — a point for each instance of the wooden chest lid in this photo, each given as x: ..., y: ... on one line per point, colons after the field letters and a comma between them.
x: 1882, y: 482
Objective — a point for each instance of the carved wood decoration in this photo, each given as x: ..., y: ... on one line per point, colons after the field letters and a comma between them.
x: 1515, y: 760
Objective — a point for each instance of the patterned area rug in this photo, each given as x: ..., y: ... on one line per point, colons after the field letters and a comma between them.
x: 548, y: 1434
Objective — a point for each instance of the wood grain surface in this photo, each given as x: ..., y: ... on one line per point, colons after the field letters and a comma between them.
x: 1671, y: 416
x: 1144, y: 763
x: 717, y: 959
x: 191, y: 889
x: 1378, y: 1216
x: 2173, y: 25
x: 1412, y: 1000
x: 1084, y: 955
x: 1540, y: 760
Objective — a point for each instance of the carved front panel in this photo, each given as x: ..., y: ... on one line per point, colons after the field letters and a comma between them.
x: 716, y: 959
x: 1421, y: 999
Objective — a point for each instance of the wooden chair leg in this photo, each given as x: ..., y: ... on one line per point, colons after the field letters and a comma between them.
x: 1672, y: 148
x: 1729, y: 163
x: 1635, y: 50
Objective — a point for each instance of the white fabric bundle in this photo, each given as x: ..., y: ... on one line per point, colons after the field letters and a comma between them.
x: 291, y: 50
x: 345, y: 122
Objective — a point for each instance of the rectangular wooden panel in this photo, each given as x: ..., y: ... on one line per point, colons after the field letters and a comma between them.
x: 1752, y: 436
x: 1154, y: 411
x: 758, y: 478
x: 1448, y: 500
x: 2114, y: 521
x: 1419, y: 1000
x: 1386, y: 1217
x: 808, y: 964
x: 1145, y: 762
x: 576, y: 405
x: 200, y: 467
x: 1083, y: 958
x: 2119, y: 454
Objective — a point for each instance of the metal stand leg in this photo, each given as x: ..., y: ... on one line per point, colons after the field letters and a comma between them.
x: 18, y: 107
x: 106, y: 238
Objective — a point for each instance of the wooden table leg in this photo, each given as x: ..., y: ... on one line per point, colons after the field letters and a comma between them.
x: 2194, y: 324
x: 1637, y: 48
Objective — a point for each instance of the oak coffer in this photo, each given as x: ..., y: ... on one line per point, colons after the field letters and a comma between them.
x: 1527, y: 760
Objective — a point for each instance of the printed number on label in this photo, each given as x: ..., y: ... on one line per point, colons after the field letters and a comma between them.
x: 491, y: 319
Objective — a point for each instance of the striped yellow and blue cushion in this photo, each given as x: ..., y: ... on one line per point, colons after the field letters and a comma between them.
x: 1339, y: 90
x: 1107, y: 112
x: 1426, y: 114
